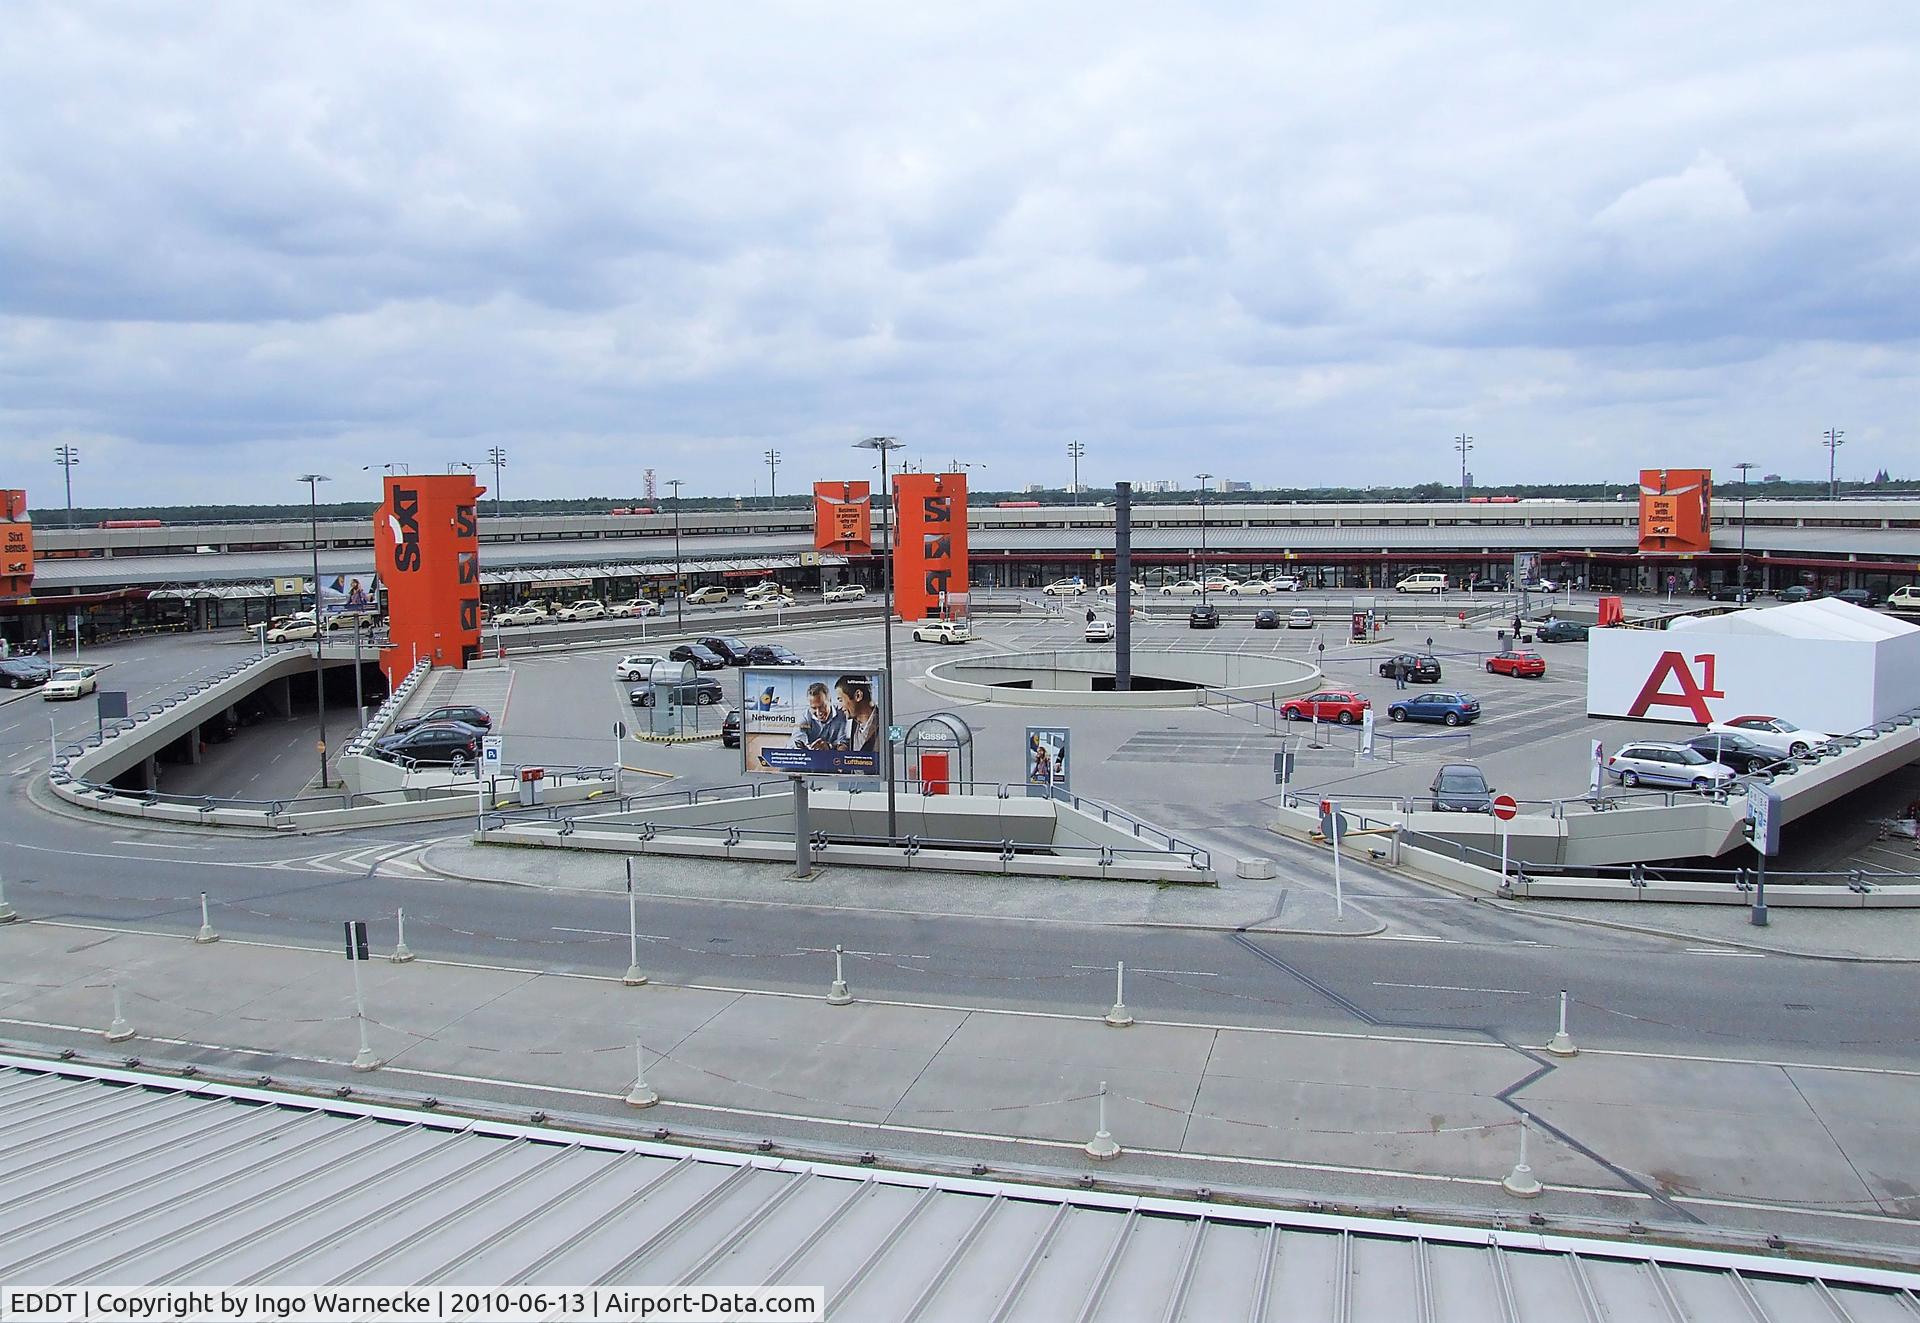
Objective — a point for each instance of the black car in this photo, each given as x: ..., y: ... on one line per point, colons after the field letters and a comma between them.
x: 1736, y: 751
x: 773, y: 654
x: 1799, y: 592
x: 1560, y: 631
x: 1483, y: 586
x: 703, y: 657
x: 1424, y: 670
x: 693, y: 693
x: 730, y: 731
x: 24, y: 672
x: 732, y: 650
x: 1461, y: 788
x: 1859, y: 596
x: 1731, y: 592
x: 444, y: 744
x: 1266, y: 620
x: 1203, y: 617
x: 477, y: 717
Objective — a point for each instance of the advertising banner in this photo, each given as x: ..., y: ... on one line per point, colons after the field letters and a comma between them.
x: 1675, y: 509
x: 348, y: 592
x: 843, y: 518
x: 16, y: 545
x: 810, y: 723
x: 930, y: 560
x: 426, y: 547
x: 1048, y: 764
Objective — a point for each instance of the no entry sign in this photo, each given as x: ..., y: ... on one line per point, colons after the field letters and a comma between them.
x: 1505, y: 807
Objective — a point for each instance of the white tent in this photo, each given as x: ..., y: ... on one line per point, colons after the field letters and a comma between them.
x: 1827, y: 665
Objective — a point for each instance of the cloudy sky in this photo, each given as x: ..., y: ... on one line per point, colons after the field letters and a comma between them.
x: 240, y: 241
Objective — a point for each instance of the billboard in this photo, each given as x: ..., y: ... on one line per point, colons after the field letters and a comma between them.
x: 812, y: 723
x: 930, y: 562
x: 348, y: 592
x: 1048, y: 768
x: 1676, y: 510
x: 843, y: 517
x: 16, y: 545
x: 426, y: 549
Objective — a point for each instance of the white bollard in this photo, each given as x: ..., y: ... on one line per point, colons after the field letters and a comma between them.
x: 633, y: 978
x: 365, y: 1059
x: 1102, y: 1145
x: 1120, y: 1017
x: 640, y: 1095
x: 7, y: 913
x: 401, y: 951
x: 838, y: 995
x: 119, y: 1031
x: 1521, y: 1183
x: 1560, y: 1044
x: 206, y: 933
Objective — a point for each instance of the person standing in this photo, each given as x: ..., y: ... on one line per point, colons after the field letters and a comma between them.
x: 1399, y: 673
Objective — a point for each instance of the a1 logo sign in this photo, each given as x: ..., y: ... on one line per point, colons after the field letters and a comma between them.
x: 1689, y: 695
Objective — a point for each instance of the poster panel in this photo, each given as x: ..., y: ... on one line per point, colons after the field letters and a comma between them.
x: 1676, y: 510
x: 1049, y: 758
x: 843, y: 517
x: 806, y: 722
x: 16, y: 545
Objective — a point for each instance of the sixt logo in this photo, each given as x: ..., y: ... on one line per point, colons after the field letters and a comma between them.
x: 404, y: 523
x: 937, y: 548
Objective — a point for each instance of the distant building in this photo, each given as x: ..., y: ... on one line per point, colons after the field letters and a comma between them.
x: 1033, y: 487
x: 1235, y: 485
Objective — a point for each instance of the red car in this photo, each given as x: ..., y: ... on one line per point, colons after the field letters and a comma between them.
x: 1341, y: 705
x: 1528, y: 664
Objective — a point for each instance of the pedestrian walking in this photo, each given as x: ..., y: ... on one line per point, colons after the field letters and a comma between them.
x: 1399, y: 674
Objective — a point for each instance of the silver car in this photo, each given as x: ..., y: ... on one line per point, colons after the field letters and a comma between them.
x: 1644, y: 762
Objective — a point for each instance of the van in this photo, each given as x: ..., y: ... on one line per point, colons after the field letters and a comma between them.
x: 1422, y: 583
x: 1905, y: 599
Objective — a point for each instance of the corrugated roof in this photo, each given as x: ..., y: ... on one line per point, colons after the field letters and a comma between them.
x: 139, y: 1180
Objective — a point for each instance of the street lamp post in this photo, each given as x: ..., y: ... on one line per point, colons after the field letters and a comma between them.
x: 679, y: 593
x: 1746, y: 467
x: 313, y: 481
x: 1831, y: 440
x: 773, y: 462
x: 498, y: 458
x: 1463, y: 443
x: 884, y: 444
x: 1202, y: 479
x: 66, y: 457
x: 1075, y: 449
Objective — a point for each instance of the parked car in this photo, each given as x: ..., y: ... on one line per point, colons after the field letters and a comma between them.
x: 24, y: 672
x: 1905, y: 599
x: 1099, y: 631
x: 527, y: 613
x: 1859, y: 596
x: 708, y: 596
x: 1745, y: 756
x: 1784, y: 738
x: 732, y: 650
x: 942, y: 631
x: 773, y: 654
x: 293, y: 631
x: 1798, y: 592
x: 1065, y: 588
x: 1300, y: 618
x: 1203, y: 617
x: 639, y: 607
x: 1445, y: 708
x: 1651, y: 763
x: 1341, y: 705
x: 1423, y: 582
x: 1220, y: 583
x: 845, y: 592
x: 1529, y: 665
x: 1731, y: 592
x: 1420, y: 669
x: 703, y: 657
x: 692, y: 693
x: 1266, y: 620
x: 587, y: 608
x: 477, y: 717
x: 1560, y: 631
x: 443, y: 744
x: 1134, y: 586
x: 730, y: 730
x: 1249, y: 588
x: 1483, y: 586
x: 766, y: 588
x: 1179, y: 586
x: 1284, y: 583
x: 1461, y: 788
x: 769, y: 602
x: 71, y: 682
x: 361, y: 620
x: 636, y: 665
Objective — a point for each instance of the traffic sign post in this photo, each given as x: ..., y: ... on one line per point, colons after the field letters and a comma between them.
x: 1333, y: 827
x: 356, y: 956
x: 1505, y: 809
x: 1763, y: 829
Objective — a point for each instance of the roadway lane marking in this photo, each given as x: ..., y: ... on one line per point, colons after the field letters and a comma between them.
x: 160, y: 845
x: 1448, y: 987
x: 1721, y: 950
x: 607, y: 932
x: 1413, y: 937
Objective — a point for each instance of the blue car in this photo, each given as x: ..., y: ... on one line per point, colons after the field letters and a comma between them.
x: 1448, y: 709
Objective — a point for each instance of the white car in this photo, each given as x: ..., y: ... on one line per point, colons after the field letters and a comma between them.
x: 73, y: 681
x: 639, y: 606
x: 585, y: 609
x: 1284, y: 583
x: 293, y: 631
x: 527, y: 613
x: 769, y: 602
x: 765, y: 588
x: 1099, y: 631
x: 1065, y: 588
x: 942, y: 631
x: 707, y: 596
x: 846, y: 592
x: 1658, y: 764
x: 636, y: 666
x: 1137, y: 588
x: 1774, y: 734
x: 1180, y: 586
x: 353, y: 620
x: 1220, y: 583
x: 1299, y: 618
x: 1248, y: 588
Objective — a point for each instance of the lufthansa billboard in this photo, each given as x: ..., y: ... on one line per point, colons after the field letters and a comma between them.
x: 811, y: 723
